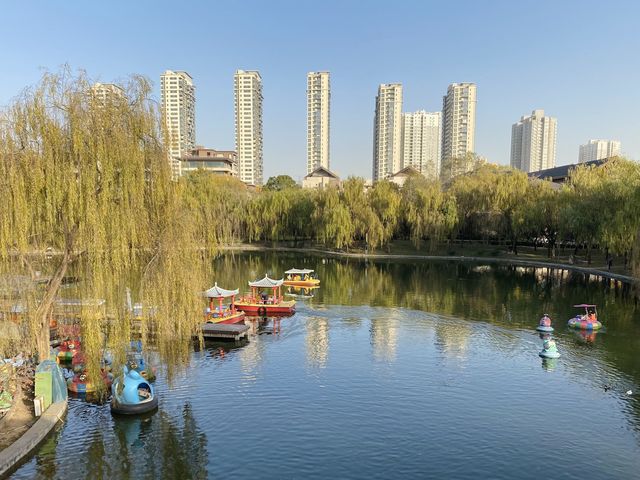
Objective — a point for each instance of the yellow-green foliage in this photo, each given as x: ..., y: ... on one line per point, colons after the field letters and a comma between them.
x: 219, y: 205
x: 89, y: 179
x: 430, y: 212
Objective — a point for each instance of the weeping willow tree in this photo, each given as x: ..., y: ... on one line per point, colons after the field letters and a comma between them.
x: 385, y: 200
x: 219, y: 204
x: 429, y: 211
x: 332, y: 220
x: 84, y: 174
x: 367, y: 226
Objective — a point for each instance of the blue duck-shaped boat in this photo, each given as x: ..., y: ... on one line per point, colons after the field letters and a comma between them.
x: 132, y: 394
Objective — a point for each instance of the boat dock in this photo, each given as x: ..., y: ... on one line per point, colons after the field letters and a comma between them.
x: 233, y: 331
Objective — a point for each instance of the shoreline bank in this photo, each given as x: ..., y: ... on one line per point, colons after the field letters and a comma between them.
x: 13, y: 456
x: 459, y: 258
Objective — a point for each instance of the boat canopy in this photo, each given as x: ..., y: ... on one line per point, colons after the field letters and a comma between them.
x: 296, y: 271
x: 217, y: 292
x: 266, y: 282
x: 584, y: 305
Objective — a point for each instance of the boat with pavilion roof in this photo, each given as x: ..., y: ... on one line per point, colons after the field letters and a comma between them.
x: 301, y: 277
x: 259, y: 303
x: 222, y: 313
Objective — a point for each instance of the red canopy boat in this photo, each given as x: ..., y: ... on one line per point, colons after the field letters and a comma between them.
x: 222, y: 313
x: 266, y: 305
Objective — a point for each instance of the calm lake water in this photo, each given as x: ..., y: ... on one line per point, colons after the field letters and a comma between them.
x: 391, y: 370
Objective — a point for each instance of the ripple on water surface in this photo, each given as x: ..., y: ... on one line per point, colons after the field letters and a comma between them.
x: 367, y: 392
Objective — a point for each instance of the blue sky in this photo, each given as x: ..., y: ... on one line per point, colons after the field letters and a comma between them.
x: 578, y: 60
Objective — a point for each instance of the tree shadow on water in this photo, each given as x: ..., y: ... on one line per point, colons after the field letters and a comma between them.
x: 156, y: 446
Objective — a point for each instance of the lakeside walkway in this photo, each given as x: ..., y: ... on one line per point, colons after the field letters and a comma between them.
x: 459, y: 258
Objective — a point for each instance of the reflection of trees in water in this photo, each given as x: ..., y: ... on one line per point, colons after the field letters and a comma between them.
x: 45, y: 460
x: 506, y: 295
x: 317, y: 341
x: 156, y: 447
x: 234, y: 270
x: 512, y: 296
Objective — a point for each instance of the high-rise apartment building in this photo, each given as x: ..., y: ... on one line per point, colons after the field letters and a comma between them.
x: 421, y: 133
x: 598, y: 150
x: 458, y: 120
x: 387, y: 131
x: 533, y: 142
x: 178, y: 103
x: 318, y: 120
x: 248, y: 110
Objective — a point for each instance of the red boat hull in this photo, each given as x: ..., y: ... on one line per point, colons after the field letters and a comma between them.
x: 230, y: 321
x: 258, y: 310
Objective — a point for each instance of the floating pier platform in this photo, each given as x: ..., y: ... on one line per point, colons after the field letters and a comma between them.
x: 233, y: 331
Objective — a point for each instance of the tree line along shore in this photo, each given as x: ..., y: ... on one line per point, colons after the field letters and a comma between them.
x: 594, y: 215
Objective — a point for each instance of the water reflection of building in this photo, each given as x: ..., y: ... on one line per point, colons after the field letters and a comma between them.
x: 251, y: 356
x: 452, y: 338
x: 384, y: 336
x: 317, y: 341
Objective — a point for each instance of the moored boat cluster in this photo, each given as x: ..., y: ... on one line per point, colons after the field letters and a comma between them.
x: 586, y: 323
x: 132, y: 391
x: 265, y: 298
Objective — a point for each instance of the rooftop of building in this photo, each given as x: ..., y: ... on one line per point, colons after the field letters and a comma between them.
x: 177, y: 72
x: 559, y: 174
x: 322, y: 172
x: 408, y: 171
x: 98, y: 85
x: 246, y: 72
x: 596, y: 140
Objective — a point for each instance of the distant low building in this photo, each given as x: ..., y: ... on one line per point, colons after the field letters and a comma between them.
x: 401, y: 176
x: 321, y: 177
x: 560, y: 174
x: 219, y: 162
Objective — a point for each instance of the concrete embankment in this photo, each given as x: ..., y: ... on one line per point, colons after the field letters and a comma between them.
x: 459, y: 258
x: 14, y: 454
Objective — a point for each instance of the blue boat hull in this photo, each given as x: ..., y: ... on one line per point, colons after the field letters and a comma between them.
x: 133, y: 409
